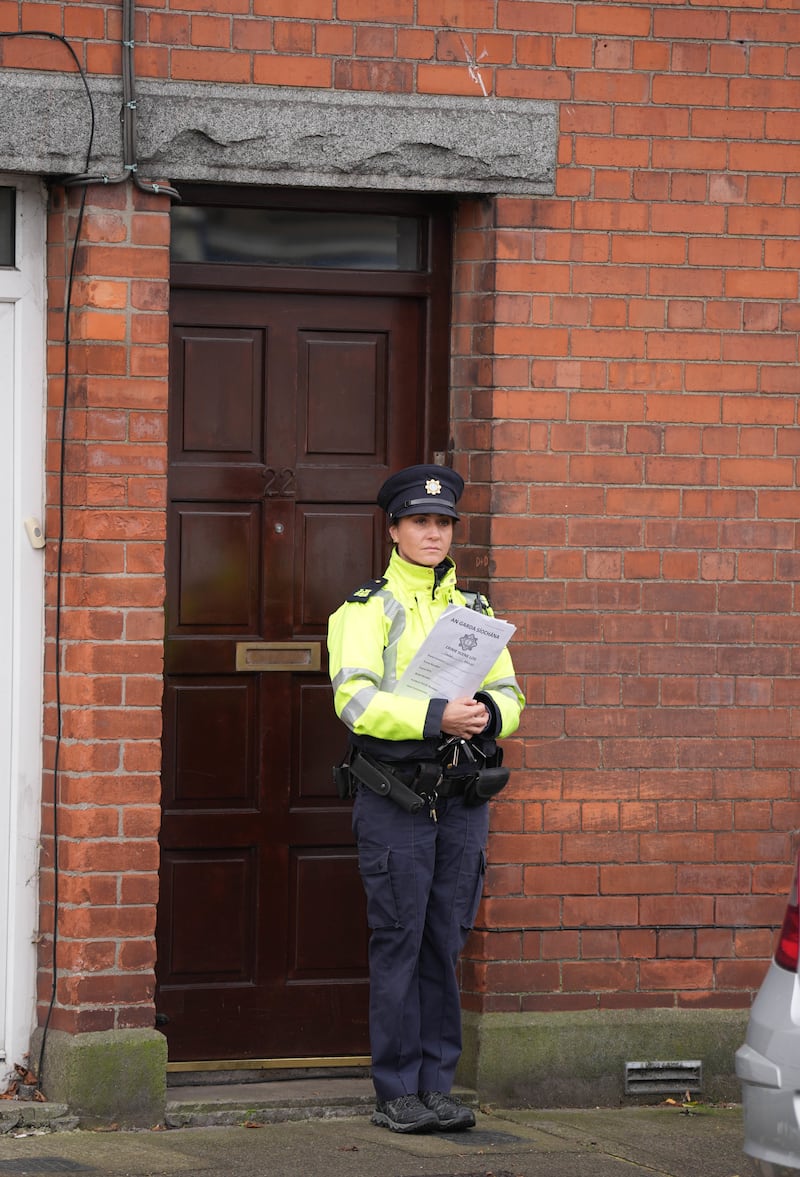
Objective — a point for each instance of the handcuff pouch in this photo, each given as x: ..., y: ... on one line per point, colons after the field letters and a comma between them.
x: 485, y: 784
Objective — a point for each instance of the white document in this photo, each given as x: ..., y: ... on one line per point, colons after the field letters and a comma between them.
x: 456, y: 656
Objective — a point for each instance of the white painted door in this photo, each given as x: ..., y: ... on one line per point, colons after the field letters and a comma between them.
x: 22, y: 400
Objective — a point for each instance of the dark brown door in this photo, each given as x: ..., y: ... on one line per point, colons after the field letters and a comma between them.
x: 288, y: 408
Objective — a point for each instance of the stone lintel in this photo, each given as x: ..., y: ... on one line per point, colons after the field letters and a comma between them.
x: 265, y: 135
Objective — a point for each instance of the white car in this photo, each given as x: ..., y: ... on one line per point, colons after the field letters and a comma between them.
x: 769, y: 1062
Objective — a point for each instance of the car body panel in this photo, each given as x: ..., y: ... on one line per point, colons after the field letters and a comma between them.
x: 768, y: 1065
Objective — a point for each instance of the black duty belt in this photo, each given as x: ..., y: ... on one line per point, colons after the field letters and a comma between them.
x: 425, y: 782
x: 427, y: 776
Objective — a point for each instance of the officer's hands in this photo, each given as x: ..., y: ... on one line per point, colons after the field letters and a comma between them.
x: 465, y: 718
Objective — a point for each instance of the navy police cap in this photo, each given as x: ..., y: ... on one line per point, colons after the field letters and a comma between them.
x: 421, y: 490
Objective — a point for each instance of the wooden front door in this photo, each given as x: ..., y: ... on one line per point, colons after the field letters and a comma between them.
x: 294, y: 392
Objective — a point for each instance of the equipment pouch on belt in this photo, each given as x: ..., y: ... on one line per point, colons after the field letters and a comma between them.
x: 485, y: 784
x: 343, y: 777
x: 381, y: 780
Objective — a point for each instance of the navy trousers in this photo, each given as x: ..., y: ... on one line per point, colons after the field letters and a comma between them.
x: 423, y: 881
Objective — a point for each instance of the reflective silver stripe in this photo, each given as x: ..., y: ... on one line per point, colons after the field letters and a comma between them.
x: 501, y: 684
x: 392, y: 607
x: 357, y: 705
x: 348, y: 672
x: 397, y: 624
x: 353, y: 710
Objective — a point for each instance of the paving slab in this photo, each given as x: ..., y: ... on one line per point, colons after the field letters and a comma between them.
x: 630, y: 1142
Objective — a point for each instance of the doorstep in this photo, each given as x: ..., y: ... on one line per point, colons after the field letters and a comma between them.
x: 225, y: 1104
x: 267, y: 1103
x: 274, y: 1102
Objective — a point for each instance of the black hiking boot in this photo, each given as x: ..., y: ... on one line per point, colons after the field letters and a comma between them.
x: 452, y: 1114
x: 404, y: 1114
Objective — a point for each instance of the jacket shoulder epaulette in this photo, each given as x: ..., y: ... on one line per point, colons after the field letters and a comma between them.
x: 476, y: 601
x: 367, y: 590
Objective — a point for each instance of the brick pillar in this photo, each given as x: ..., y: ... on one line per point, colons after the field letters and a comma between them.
x: 107, y: 702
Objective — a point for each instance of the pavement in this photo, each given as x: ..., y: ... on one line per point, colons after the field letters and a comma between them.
x: 321, y: 1127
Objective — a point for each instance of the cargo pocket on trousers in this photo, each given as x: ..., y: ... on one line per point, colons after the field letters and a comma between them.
x: 373, y: 866
x: 473, y: 902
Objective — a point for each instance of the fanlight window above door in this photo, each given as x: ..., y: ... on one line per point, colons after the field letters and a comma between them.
x: 296, y: 237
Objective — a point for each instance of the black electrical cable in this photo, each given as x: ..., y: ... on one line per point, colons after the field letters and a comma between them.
x: 78, y: 66
x: 57, y: 634
x: 128, y: 113
x: 60, y: 537
x: 83, y: 180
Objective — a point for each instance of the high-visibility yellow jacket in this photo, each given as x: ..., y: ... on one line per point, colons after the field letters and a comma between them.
x: 371, y: 639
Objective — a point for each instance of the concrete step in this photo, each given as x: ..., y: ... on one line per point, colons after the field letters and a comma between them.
x: 225, y: 1104
x: 267, y: 1103
x: 19, y: 1117
x: 273, y: 1102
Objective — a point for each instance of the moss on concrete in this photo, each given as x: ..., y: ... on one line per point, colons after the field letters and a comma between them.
x: 113, y: 1077
x: 578, y: 1059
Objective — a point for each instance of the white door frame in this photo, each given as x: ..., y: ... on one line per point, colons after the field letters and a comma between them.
x: 22, y: 437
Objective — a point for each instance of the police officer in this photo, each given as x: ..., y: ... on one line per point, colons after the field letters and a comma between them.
x: 421, y: 770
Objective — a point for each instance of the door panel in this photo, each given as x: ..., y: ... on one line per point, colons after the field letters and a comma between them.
x: 287, y: 412
x: 340, y: 540
x: 212, y: 892
x: 318, y: 731
x: 219, y: 584
x: 210, y: 769
x: 221, y: 388
x: 323, y: 881
x: 352, y: 420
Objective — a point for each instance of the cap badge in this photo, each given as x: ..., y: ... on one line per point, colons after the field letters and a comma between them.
x: 433, y: 487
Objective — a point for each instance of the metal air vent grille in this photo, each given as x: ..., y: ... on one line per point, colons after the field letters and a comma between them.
x: 664, y: 1078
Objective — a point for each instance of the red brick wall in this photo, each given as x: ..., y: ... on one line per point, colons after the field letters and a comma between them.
x: 642, y: 347
x: 625, y: 383
x: 642, y: 538
x: 111, y: 628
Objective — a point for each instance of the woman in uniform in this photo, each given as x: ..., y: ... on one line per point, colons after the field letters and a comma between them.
x: 421, y: 771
